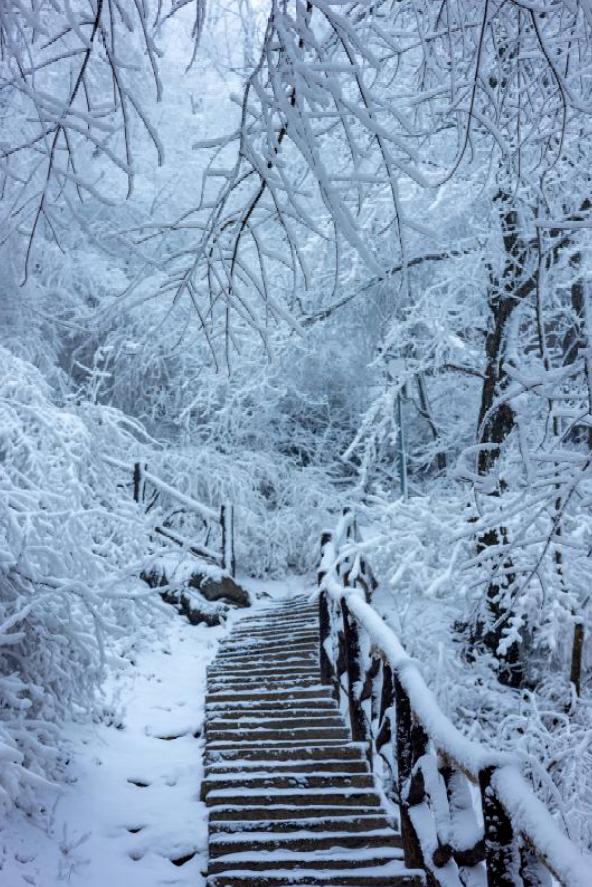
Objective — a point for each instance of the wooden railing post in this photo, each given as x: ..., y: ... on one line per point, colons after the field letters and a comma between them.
x: 501, y: 856
x: 464, y: 824
x: 325, y: 634
x: 410, y: 743
x: 577, y: 650
x: 139, y: 484
x: 387, y: 699
x: 354, y: 675
x: 227, y: 525
x: 326, y: 665
x: 326, y: 538
x: 532, y: 870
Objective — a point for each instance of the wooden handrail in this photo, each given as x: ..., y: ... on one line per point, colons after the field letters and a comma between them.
x: 431, y: 761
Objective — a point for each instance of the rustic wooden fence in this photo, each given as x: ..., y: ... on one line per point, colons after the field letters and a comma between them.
x: 148, y: 489
x: 435, y: 774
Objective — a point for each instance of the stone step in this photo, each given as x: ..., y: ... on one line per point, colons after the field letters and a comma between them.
x: 273, y: 645
x: 288, y: 685
x: 286, y: 812
x: 287, y: 620
x: 284, y: 859
x: 288, y: 605
x: 344, y: 767
x: 265, y: 674
x: 349, y: 752
x: 299, y: 611
x: 322, y: 699
x: 272, y: 634
x: 248, y: 721
x: 274, y: 745
x: 305, y: 636
x: 300, y: 841
x: 277, y: 782
x: 293, y: 646
x: 269, y: 709
x: 303, y: 658
x: 297, y: 602
x: 268, y: 634
x: 250, y: 647
x: 291, y: 799
x: 371, y: 877
x: 274, y: 642
x: 252, y: 684
x: 266, y: 652
x: 262, y: 659
x: 362, y: 821
x: 232, y: 672
x: 269, y: 719
x: 309, y: 653
x: 284, y: 621
x: 278, y: 694
x: 263, y: 734
x: 262, y: 797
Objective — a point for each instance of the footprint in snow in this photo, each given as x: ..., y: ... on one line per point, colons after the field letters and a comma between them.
x: 182, y: 860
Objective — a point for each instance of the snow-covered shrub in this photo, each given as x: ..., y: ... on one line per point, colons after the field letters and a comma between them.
x: 73, y: 542
x: 422, y: 551
x: 280, y: 506
x: 69, y: 537
x: 261, y: 436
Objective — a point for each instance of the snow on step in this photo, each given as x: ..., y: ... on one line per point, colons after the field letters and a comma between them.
x: 284, y: 812
x: 334, y: 859
x: 366, y: 821
x: 288, y: 781
x: 392, y: 874
x: 302, y: 841
x: 290, y: 797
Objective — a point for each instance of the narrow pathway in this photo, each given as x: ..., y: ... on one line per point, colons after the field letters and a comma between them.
x: 291, y: 798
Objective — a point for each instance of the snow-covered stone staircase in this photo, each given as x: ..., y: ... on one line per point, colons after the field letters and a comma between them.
x: 290, y: 797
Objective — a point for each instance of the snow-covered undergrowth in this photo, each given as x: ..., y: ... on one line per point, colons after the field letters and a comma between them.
x: 265, y: 437
x: 128, y: 810
x: 421, y: 553
x: 70, y: 543
x: 73, y: 544
x: 280, y: 507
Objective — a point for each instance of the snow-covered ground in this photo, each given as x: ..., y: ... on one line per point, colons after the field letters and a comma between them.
x: 129, y: 814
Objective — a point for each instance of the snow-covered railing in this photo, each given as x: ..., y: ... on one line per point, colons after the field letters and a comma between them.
x: 143, y: 480
x: 433, y: 769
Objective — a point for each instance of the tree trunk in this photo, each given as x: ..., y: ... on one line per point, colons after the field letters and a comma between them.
x: 426, y: 412
x: 496, y: 421
x: 576, y: 342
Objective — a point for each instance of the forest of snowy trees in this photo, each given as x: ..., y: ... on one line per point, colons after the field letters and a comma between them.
x: 301, y: 256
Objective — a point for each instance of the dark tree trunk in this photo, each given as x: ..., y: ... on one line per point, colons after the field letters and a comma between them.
x: 426, y: 412
x: 576, y: 342
x: 496, y: 421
